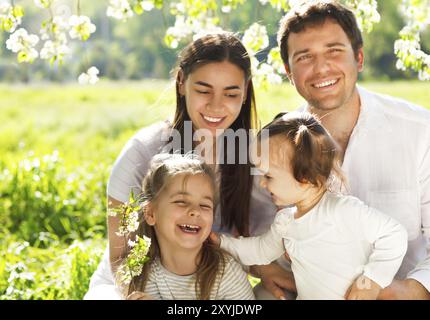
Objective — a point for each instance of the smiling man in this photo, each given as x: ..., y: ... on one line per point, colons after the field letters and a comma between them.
x: 384, y: 142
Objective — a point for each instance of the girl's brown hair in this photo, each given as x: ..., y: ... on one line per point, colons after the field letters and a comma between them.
x: 236, y: 180
x: 163, y: 168
x: 316, y: 154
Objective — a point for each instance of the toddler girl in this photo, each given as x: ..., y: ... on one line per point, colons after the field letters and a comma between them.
x: 338, y: 246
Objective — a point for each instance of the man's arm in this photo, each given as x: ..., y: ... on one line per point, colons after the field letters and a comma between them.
x: 417, y: 284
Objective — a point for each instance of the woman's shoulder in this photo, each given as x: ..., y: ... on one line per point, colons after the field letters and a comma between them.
x: 154, y: 133
x: 146, y: 142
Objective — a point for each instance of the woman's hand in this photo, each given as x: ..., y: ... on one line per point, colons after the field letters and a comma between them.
x: 408, y: 289
x: 276, y: 279
x: 363, y: 288
x: 139, y: 295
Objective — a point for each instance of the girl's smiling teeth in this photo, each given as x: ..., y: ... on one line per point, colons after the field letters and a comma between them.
x: 189, y: 228
x: 325, y: 84
x: 213, y: 119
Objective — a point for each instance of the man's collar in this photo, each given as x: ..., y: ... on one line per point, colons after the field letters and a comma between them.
x: 372, y: 116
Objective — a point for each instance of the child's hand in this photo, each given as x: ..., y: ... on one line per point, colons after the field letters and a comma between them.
x: 363, y: 289
x: 139, y: 295
x: 215, y: 239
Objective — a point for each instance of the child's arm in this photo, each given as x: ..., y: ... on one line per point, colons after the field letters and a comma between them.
x: 389, y: 239
x: 259, y: 250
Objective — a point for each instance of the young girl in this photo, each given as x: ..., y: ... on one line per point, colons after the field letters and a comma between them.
x: 179, y: 199
x: 338, y: 246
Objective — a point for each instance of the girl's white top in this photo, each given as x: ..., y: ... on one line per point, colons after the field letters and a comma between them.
x: 338, y: 240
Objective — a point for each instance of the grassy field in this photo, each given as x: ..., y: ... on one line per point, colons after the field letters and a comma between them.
x: 58, y: 143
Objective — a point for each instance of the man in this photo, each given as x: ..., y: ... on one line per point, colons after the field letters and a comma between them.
x: 384, y: 142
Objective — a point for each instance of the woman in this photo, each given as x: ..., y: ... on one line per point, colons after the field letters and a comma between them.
x: 214, y: 92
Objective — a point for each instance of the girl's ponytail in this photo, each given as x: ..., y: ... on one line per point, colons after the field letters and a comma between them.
x: 305, y: 154
x: 315, y: 153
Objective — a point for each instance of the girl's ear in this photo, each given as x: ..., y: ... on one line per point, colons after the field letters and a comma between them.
x: 149, y: 214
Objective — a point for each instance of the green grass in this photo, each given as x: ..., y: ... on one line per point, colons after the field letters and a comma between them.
x: 58, y: 146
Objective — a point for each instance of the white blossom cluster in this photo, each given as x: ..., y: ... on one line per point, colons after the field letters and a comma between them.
x: 366, y: 12
x: 81, y: 27
x: 407, y: 48
x: 125, y: 9
x: 89, y: 77
x: 255, y: 40
x: 10, y: 16
x: 186, y: 24
x: 23, y: 44
x: 54, y: 34
x: 133, y: 264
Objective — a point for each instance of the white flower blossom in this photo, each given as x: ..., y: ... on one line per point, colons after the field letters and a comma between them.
x: 255, y: 38
x: 90, y: 77
x: 366, y: 12
x: 178, y: 31
x: 131, y: 243
x: 423, y: 75
x: 54, y: 50
x: 133, y: 264
x: 407, y: 48
x: 54, y: 34
x: 119, y: 9
x: 275, y: 60
x: 23, y: 43
x: 9, y: 20
x: 147, y: 5
x: 81, y: 27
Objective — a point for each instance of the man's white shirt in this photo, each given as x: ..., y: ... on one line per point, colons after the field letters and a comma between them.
x: 387, y: 165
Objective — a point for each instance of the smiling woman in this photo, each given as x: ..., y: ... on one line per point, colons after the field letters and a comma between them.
x: 214, y: 104
x: 214, y: 92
